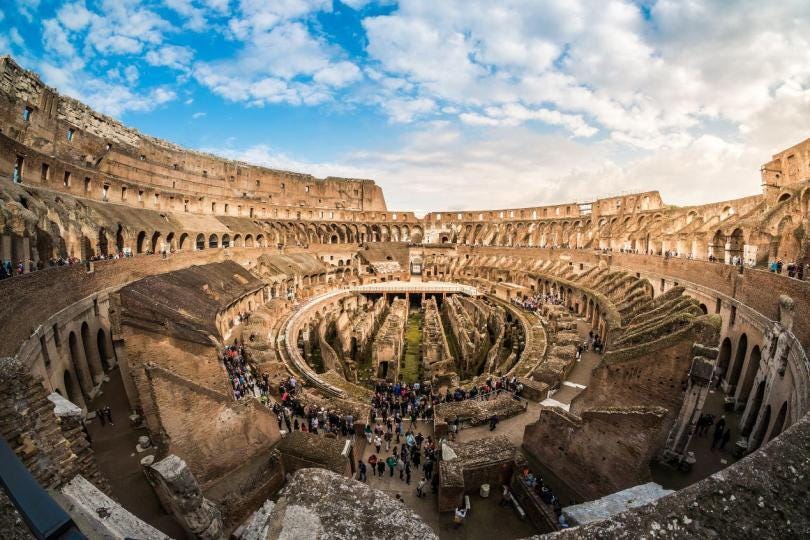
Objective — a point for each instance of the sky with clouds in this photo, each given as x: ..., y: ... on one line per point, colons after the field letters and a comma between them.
x: 450, y: 104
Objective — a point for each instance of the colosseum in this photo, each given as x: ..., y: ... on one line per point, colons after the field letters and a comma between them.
x: 196, y: 347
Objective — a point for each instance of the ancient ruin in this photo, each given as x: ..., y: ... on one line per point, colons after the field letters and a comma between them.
x: 200, y: 347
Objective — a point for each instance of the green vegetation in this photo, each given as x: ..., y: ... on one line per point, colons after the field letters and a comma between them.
x: 412, y: 360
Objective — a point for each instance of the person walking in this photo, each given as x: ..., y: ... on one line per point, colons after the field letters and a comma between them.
x: 377, y: 443
x: 724, y: 440
x: 420, y: 488
x: 458, y: 518
x: 391, y: 462
x: 361, y: 471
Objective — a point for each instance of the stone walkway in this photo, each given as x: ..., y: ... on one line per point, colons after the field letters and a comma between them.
x: 486, y: 519
x: 580, y: 376
x: 114, y: 446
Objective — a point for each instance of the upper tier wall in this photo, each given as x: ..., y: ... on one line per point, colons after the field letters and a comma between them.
x: 69, y: 132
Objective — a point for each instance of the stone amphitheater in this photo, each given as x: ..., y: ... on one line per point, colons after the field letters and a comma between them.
x: 199, y: 347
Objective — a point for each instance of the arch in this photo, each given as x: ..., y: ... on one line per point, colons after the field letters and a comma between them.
x: 140, y: 245
x: 724, y: 358
x: 213, y: 241
x: 735, y: 244
x: 103, y: 243
x: 739, y: 359
x: 704, y: 309
x: 784, y: 197
x: 751, y: 369
x: 260, y: 240
x: 104, y: 353
x: 72, y: 390
x: 762, y: 428
x: 91, y: 354
x: 78, y: 361
x: 199, y: 243
x: 718, y: 245
x: 226, y: 240
x: 119, y: 238
x: 753, y: 409
x: 248, y: 240
x: 156, y: 242
x: 183, y: 243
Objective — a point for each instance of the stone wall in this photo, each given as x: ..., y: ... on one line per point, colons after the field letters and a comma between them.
x: 602, y: 451
x: 48, y: 438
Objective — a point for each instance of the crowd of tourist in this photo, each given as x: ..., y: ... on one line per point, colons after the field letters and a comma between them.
x: 243, y: 374
x: 533, y: 302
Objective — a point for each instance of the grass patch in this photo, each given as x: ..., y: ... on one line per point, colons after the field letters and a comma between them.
x: 411, y: 368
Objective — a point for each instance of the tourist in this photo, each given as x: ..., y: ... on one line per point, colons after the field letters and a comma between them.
x: 724, y: 440
x: 100, y: 416
x: 391, y: 461
x: 378, y: 443
x: 361, y: 470
x: 506, y: 496
x: 372, y: 462
x: 420, y: 487
x: 380, y: 467
x: 493, y: 421
x: 107, y: 411
x: 428, y: 468
x: 458, y: 518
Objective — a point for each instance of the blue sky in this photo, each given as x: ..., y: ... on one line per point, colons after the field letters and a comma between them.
x: 447, y: 105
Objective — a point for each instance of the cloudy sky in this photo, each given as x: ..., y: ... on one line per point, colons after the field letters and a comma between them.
x: 447, y: 104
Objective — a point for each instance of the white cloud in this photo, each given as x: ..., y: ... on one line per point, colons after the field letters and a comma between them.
x: 281, y: 60
x: 173, y: 56
x: 198, y: 115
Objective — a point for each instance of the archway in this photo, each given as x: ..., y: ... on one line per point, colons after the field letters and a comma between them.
x: 762, y: 428
x: 724, y: 358
x: 200, y: 242
x: 717, y: 247
x: 141, y: 243
x: 753, y: 410
x: 101, y: 344
x: 74, y: 393
x: 183, y: 243
x: 750, y: 375
x: 735, y: 244
x: 226, y: 240
x: 91, y: 355
x: 78, y: 361
x: 103, y: 243
x: 119, y: 238
x: 213, y: 241
x: 739, y: 359
x: 157, y: 245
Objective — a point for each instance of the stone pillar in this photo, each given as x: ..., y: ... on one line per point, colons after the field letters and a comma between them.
x: 80, y: 365
x: 697, y: 389
x: 181, y: 496
x: 5, y: 248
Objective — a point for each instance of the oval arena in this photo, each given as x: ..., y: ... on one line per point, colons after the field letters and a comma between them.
x: 200, y: 347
